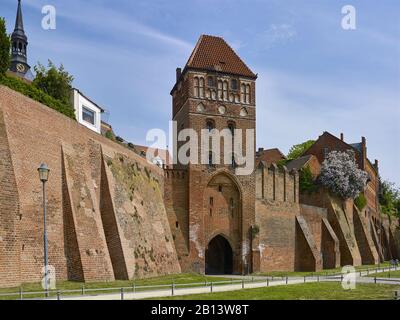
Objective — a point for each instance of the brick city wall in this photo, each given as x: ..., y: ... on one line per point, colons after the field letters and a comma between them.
x: 106, y: 217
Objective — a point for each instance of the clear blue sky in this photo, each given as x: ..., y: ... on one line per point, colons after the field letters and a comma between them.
x: 313, y: 75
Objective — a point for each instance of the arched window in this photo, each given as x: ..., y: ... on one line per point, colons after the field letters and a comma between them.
x: 242, y: 93
x: 201, y: 88
x: 225, y: 90
x: 231, y: 127
x: 20, y: 46
x: 234, y: 84
x: 220, y: 90
x: 210, y: 125
x: 247, y: 94
x: 210, y: 159
x: 196, y: 87
x: 211, y: 82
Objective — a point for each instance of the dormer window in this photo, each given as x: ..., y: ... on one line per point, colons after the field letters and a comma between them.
x: 88, y: 116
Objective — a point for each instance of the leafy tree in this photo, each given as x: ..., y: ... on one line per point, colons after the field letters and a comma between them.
x: 298, y: 149
x: 306, y: 181
x: 389, y: 199
x: 341, y: 175
x: 56, y: 82
x: 4, y: 48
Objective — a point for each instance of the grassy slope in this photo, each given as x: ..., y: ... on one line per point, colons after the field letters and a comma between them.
x: 70, y: 285
x: 323, y: 272
x: 308, y: 291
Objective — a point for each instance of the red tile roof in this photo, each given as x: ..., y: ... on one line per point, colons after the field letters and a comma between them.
x: 213, y: 53
x: 269, y: 156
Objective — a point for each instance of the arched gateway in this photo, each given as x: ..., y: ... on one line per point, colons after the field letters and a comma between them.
x: 219, y: 257
x: 222, y: 225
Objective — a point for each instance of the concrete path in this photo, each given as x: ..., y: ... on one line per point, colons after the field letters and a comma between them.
x: 259, y: 282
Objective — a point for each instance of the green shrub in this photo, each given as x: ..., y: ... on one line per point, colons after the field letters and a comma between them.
x: 306, y: 181
x: 360, y: 201
x: 31, y: 91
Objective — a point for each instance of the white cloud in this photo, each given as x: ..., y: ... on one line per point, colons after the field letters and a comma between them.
x: 275, y: 35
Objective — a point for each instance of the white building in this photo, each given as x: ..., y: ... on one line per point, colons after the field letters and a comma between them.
x: 87, y: 112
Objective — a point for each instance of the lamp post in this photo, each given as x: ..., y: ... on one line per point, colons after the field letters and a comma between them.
x: 44, y: 176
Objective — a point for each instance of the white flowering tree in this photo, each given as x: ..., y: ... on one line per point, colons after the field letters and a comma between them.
x: 341, y: 175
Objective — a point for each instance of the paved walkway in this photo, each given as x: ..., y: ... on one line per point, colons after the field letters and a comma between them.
x: 259, y: 282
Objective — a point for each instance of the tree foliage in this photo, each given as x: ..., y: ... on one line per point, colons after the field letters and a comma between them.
x: 341, y: 175
x: 298, y: 149
x: 389, y: 199
x: 56, y: 82
x: 4, y: 48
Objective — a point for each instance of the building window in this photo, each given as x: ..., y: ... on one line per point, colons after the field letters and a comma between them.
x: 210, y: 159
x: 201, y: 88
x: 247, y: 94
x: 225, y: 90
x: 231, y: 127
x: 211, y: 82
x: 210, y: 125
x: 326, y: 152
x: 196, y: 87
x: 219, y: 188
x: 88, y: 116
x: 211, y: 201
x: 234, y: 84
x: 177, y: 224
x: 220, y: 91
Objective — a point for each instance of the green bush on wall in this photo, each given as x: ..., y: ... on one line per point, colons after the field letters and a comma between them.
x: 306, y: 181
x: 360, y: 201
x: 36, y: 94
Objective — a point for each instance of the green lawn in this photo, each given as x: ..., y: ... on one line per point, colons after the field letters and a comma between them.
x: 391, y: 274
x: 308, y: 291
x: 71, y: 285
x: 323, y: 272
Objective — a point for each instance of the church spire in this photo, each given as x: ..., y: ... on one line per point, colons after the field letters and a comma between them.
x: 19, y: 44
x: 19, y: 23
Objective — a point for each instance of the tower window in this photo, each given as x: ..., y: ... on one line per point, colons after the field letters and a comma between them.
x: 210, y: 125
x: 210, y: 159
x: 220, y: 91
x: 196, y: 87
x: 201, y: 91
x: 211, y: 82
x: 225, y: 90
x: 247, y: 94
x: 234, y: 84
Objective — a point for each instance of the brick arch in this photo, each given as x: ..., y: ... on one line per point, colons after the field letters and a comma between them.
x: 223, y: 212
x: 228, y: 175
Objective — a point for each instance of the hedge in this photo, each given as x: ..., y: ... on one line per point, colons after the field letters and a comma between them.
x: 38, y: 95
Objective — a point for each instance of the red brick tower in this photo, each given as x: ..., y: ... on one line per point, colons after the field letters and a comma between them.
x: 211, y: 209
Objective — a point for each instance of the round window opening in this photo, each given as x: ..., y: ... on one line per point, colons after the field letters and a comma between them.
x: 221, y: 109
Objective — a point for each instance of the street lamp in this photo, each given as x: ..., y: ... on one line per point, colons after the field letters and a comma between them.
x: 44, y: 176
